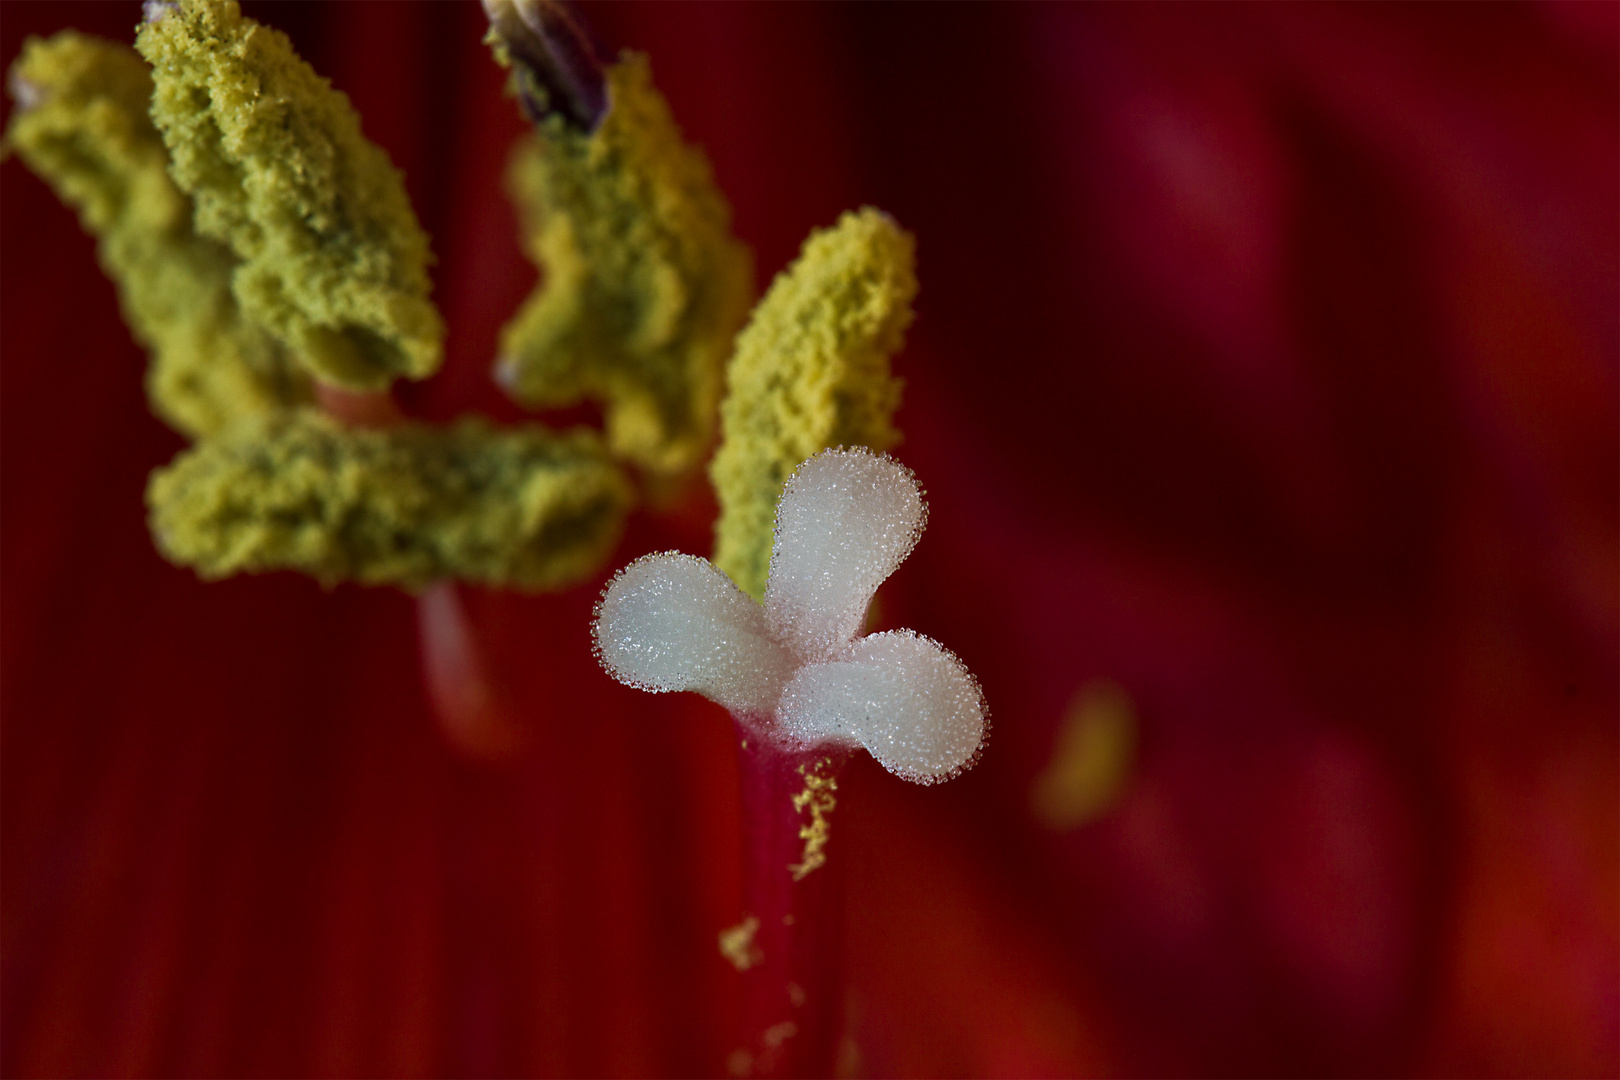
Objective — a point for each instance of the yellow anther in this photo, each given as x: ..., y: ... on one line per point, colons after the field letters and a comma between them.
x: 811, y: 371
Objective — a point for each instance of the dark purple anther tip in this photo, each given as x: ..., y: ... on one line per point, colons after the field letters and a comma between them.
x: 555, y: 58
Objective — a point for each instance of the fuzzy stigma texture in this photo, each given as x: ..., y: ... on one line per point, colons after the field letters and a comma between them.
x: 407, y: 505
x: 332, y: 260
x: 81, y: 125
x: 794, y: 671
x: 810, y: 371
x: 643, y: 285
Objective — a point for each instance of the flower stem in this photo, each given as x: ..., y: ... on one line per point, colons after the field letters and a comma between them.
x: 788, y: 947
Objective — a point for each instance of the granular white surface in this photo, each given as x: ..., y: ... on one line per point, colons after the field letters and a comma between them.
x: 674, y: 622
x: 846, y: 519
x: 910, y: 702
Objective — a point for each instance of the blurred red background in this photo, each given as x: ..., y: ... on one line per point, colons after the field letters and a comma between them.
x: 1265, y: 364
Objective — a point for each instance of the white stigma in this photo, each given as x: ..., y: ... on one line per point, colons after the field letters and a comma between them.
x: 795, y: 666
x: 845, y: 522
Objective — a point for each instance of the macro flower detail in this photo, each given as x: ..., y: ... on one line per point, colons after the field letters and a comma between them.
x: 82, y: 124
x: 643, y: 286
x: 1263, y: 396
x: 268, y: 257
x: 332, y: 262
x: 794, y: 670
x: 408, y: 505
x: 810, y: 372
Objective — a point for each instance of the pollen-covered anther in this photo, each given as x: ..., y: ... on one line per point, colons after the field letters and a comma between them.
x: 793, y: 668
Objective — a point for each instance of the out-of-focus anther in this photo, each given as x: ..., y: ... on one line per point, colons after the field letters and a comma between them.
x: 556, y: 61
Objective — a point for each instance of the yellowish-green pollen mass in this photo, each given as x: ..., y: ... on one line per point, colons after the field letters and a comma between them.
x: 81, y: 124
x: 332, y: 260
x: 256, y: 235
x: 295, y: 241
x: 811, y: 371
x: 643, y: 286
x: 520, y: 507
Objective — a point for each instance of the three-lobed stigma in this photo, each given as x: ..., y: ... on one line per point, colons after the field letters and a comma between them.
x: 794, y: 669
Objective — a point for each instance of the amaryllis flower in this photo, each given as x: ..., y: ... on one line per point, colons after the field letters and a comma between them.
x: 794, y: 669
x: 1263, y: 379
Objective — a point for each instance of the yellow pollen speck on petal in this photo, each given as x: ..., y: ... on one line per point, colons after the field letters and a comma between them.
x: 1091, y: 759
x: 777, y: 1034
x: 817, y: 797
x: 737, y: 944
